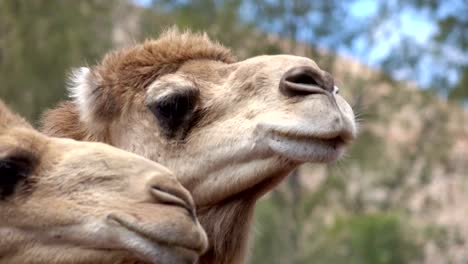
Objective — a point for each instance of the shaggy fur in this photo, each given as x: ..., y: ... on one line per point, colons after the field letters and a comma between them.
x: 111, y: 86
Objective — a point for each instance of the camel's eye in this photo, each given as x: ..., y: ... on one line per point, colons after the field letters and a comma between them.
x: 174, y: 111
x: 15, y: 167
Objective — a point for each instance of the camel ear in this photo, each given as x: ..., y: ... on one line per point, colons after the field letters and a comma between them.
x: 82, y: 87
x: 16, y: 165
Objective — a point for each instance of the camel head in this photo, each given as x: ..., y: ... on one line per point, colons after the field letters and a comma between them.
x: 229, y: 130
x: 63, y: 201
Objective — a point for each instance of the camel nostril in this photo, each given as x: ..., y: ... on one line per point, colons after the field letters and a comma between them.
x: 302, y: 81
x: 302, y: 78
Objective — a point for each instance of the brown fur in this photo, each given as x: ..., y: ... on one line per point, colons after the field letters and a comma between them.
x: 68, y: 124
x: 124, y: 72
x: 246, y: 137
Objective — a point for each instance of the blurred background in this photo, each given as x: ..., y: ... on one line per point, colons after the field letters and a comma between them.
x: 400, y: 195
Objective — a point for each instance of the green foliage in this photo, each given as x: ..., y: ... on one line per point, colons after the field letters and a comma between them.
x: 378, y: 238
x: 40, y: 41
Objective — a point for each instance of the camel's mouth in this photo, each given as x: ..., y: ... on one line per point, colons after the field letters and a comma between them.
x: 306, y: 147
x: 150, y: 248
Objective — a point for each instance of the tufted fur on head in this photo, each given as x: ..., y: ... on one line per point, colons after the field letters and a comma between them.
x: 102, y: 92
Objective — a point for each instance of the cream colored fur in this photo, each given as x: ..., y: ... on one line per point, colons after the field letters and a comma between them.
x: 83, y: 202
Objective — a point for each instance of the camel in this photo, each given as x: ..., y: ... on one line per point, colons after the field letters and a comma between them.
x: 64, y: 201
x: 229, y: 130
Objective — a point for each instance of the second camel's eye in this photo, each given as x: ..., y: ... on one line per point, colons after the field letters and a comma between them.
x: 174, y: 111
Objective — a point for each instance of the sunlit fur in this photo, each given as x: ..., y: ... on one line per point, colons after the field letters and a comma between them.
x: 246, y: 138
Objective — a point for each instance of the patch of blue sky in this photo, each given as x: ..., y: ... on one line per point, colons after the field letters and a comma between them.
x: 143, y: 2
x: 406, y: 24
x: 363, y: 8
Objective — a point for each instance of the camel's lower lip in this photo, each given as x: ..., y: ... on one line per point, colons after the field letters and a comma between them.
x: 150, y: 249
x: 306, y: 149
